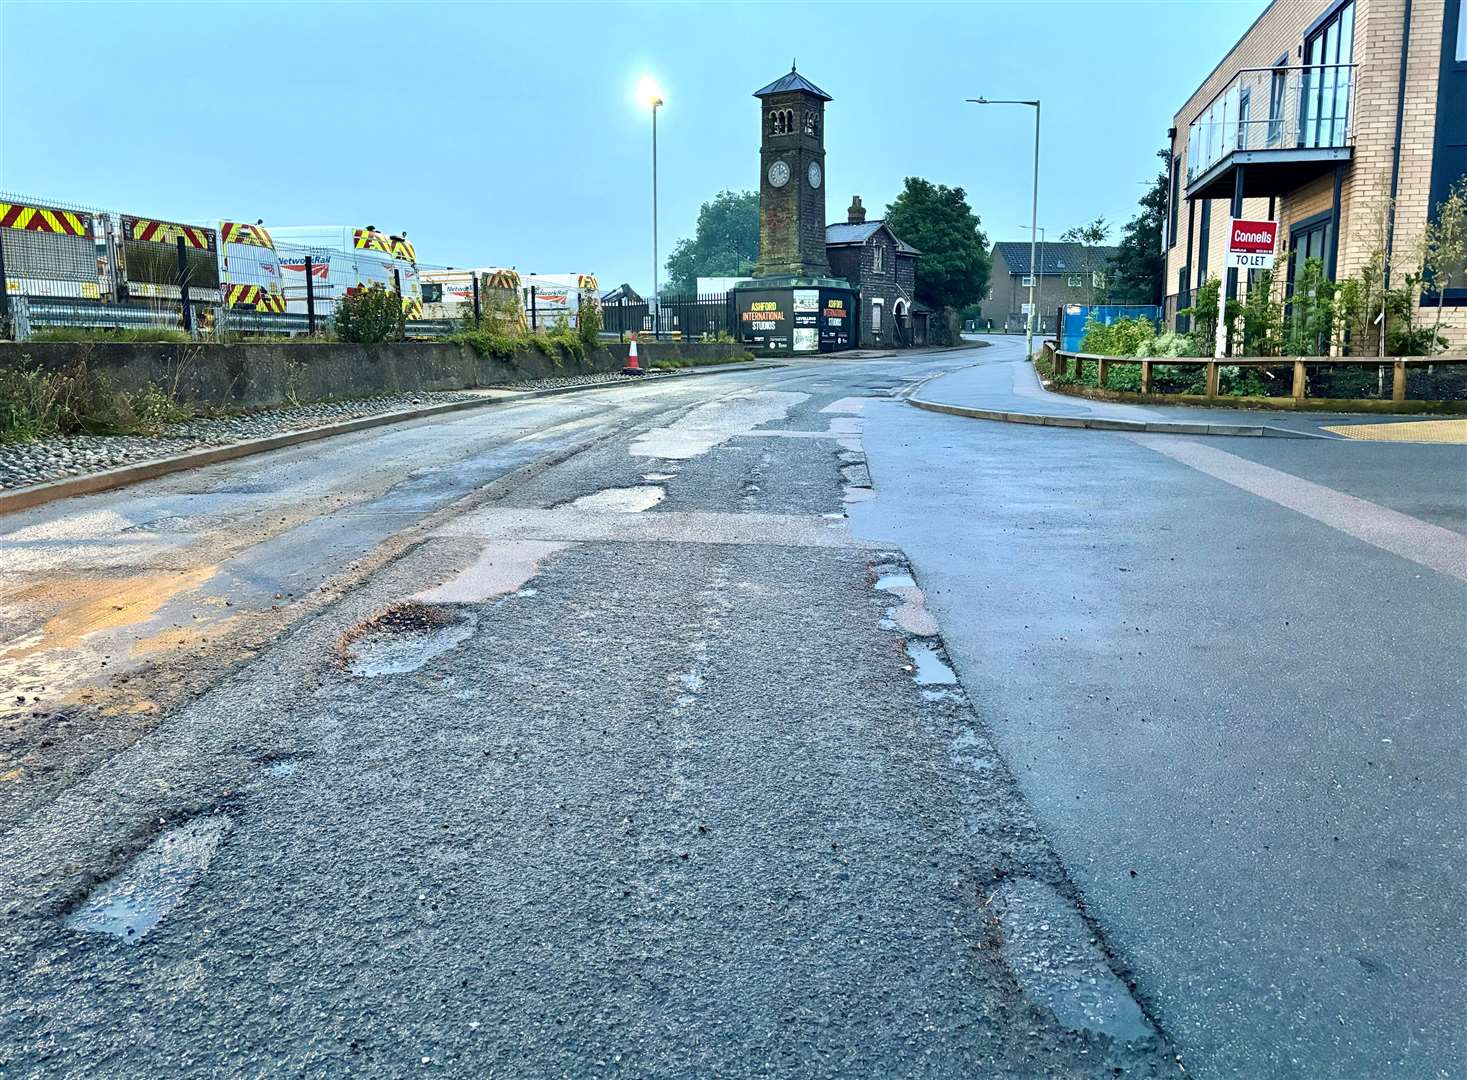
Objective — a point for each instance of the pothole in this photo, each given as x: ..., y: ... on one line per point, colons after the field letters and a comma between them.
x: 931, y: 669
x: 136, y: 899
x: 911, y: 615
x: 403, y: 638
x: 623, y: 500
x: 1059, y: 966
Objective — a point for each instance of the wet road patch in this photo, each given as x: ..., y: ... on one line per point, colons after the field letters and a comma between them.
x: 621, y: 500
x: 404, y: 637
x: 135, y: 900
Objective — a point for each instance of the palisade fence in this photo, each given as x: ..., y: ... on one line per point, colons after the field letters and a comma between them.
x: 65, y: 265
x: 672, y: 316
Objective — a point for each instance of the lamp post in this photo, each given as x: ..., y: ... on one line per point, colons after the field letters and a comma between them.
x: 1033, y: 215
x: 649, y: 93
x: 1031, y: 262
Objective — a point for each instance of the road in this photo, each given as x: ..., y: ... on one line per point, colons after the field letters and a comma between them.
x: 615, y: 733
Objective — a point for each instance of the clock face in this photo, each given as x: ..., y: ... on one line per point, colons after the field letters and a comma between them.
x: 779, y: 174
x: 814, y: 174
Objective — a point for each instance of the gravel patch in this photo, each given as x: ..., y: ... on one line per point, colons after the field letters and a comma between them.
x: 24, y: 464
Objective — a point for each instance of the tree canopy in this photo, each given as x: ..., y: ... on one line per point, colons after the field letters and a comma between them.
x: 936, y: 220
x: 1138, y: 270
x: 725, y: 243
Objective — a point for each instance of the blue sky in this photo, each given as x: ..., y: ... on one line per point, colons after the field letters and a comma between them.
x: 506, y: 134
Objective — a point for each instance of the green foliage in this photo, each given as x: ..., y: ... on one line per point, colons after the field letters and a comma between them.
x: 1263, y: 318
x: 1444, y: 252
x: 1168, y: 345
x: 936, y: 220
x: 36, y: 403
x: 725, y: 242
x: 588, y: 323
x: 1124, y: 337
x: 1138, y: 269
x: 1311, y: 311
x: 1203, y: 316
x: 369, y: 316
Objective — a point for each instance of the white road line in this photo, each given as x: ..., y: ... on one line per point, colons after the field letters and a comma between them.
x: 1411, y: 538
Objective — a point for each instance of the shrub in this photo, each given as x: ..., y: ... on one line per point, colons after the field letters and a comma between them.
x: 588, y: 324
x: 369, y: 316
x: 38, y: 404
x: 127, y: 333
x: 1120, y: 338
x: 1168, y: 344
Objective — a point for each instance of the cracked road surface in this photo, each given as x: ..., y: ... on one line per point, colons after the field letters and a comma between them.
x: 752, y: 725
x: 572, y: 737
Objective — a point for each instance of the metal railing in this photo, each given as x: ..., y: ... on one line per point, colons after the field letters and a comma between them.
x: 1275, y: 108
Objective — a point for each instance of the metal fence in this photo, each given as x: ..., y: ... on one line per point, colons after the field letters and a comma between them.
x: 681, y: 317
x: 67, y: 266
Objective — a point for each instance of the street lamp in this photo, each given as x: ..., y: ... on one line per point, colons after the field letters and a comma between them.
x: 649, y: 94
x: 1033, y: 215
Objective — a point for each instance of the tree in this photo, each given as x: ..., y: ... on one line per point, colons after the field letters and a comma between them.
x: 1089, y: 237
x: 1444, y: 251
x: 936, y: 220
x: 1138, y: 269
x: 725, y: 244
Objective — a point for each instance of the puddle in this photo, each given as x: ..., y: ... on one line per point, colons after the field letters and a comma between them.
x: 692, y: 680
x: 406, y: 637
x: 658, y: 477
x: 625, y: 500
x: 152, y: 884
x: 889, y: 582
x: 931, y: 670
x: 281, y: 767
x: 500, y: 568
x: 1052, y: 954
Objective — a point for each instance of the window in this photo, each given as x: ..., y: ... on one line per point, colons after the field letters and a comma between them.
x: 1245, y: 101
x: 781, y: 121
x: 989, y: 294
x: 1027, y: 281
x: 1324, y: 94
x: 1462, y: 34
x: 878, y: 257
x: 432, y: 292
x: 1171, y: 209
x: 876, y: 319
x: 1097, y: 279
x: 1309, y: 239
x: 1276, y: 83
x: 1074, y: 281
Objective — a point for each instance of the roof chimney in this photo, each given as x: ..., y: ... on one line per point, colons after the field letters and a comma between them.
x: 856, y: 213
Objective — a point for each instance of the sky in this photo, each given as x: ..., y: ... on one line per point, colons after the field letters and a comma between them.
x: 508, y: 135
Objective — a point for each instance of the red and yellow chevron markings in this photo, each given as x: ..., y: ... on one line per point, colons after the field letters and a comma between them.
x: 43, y: 219
x: 412, y: 307
x: 403, y: 249
x: 167, y: 232
x: 371, y: 240
x: 587, y: 281
x: 237, y: 232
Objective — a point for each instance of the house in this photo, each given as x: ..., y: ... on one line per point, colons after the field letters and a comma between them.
x: 883, y: 269
x: 1068, y: 274
x: 1345, y: 121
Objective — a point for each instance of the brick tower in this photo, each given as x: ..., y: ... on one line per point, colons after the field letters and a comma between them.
x: 792, y: 179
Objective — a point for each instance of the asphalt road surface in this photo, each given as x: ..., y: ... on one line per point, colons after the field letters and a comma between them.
x: 755, y: 724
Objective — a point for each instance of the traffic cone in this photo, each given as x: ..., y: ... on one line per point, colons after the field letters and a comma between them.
x: 632, y: 368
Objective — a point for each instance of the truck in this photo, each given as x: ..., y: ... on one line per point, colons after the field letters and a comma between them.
x: 343, y: 260
x: 449, y: 294
x: 558, y: 296
x: 249, y: 268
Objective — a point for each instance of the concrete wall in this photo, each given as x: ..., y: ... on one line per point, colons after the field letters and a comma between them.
x: 251, y: 376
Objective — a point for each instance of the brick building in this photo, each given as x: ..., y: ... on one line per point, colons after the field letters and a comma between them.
x: 1068, y: 274
x: 1320, y: 117
x: 883, y: 268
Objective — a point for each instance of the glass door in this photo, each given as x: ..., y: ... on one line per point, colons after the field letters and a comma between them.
x: 1324, y: 85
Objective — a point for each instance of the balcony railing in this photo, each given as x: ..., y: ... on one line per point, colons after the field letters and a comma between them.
x: 1278, y: 108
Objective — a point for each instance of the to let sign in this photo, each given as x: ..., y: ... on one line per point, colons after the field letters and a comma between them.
x: 1251, y: 243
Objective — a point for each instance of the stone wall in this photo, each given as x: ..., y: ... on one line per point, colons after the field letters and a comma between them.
x: 258, y: 376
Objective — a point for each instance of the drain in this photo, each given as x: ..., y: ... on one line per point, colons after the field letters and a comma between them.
x: 135, y: 900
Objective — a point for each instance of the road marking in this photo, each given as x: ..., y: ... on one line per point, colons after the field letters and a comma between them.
x: 1416, y: 431
x: 1411, y: 538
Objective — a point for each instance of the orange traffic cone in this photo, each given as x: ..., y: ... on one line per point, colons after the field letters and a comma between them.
x: 632, y: 368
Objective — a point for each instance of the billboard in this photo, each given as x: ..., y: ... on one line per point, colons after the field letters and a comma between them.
x: 766, y: 318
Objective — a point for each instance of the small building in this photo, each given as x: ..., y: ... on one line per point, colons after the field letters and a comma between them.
x: 883, y: 269
x: 1344, y: 121
x: 1069, y: 273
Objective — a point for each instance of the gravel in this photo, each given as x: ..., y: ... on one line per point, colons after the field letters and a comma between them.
x: 24, y: 464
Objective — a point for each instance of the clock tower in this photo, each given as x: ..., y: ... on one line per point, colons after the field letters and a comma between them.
x: 792, y: 179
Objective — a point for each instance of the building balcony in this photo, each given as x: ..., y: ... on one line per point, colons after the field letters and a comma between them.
x: 1283, y: 125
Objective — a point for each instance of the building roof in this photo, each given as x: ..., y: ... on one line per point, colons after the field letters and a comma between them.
x: 793, y: 81
x: 1054, y: 258
x: 843, y: 232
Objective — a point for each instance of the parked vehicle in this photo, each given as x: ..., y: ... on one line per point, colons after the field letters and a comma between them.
x: 249, y: 268
x: 343, y: 260
x: 558, y: 296
x: 449, y: 294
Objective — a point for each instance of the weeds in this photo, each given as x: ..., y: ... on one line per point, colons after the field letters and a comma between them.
x: 36, y: 404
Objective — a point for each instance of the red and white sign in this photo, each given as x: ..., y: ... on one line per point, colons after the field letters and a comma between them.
x: 1251, y: 243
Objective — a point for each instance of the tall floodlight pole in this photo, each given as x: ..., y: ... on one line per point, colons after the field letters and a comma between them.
x: 1033, y: 216
x: 648, y: 92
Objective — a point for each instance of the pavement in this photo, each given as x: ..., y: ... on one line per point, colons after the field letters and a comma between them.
x: 751, y: 726
x: 1007, y: 383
